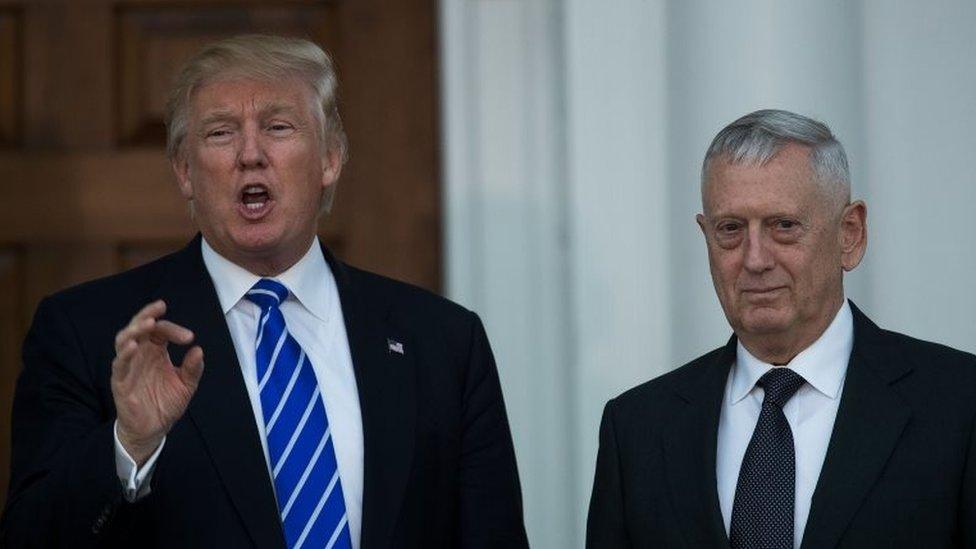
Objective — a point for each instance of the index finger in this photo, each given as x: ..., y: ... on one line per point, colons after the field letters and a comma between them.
x: 165, y: 331
x: 155, y: 309
x: 142, y: 321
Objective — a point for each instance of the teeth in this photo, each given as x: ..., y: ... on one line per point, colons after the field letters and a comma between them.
x: 254, y: 205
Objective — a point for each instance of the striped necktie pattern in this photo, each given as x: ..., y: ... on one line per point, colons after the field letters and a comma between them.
x: 300, y: 445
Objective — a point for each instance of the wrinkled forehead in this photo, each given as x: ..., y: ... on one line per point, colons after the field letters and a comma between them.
x: 234, y: 95
x: 785, y: 181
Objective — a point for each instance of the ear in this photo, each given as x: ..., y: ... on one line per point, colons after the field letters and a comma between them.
x: 853, y: 234
x: 331, y: 167
x: 700, y: 219
x: 181, y: 167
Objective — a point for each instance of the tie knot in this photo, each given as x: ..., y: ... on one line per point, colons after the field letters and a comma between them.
x: 780, y: 384
x: 267, y: 293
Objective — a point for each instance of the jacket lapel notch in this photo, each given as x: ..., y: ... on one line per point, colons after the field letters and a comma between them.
x: 870, y: 421
x: 221, y: 409
x: 384, y: 363
x: 690, y: 451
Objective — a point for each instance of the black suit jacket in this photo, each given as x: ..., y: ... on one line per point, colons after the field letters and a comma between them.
x: 439, y: 467
x: 900, y: 469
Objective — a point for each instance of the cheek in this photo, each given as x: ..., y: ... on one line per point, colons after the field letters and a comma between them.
x: 805, y: 271
x: 725, y: 266
x: 206, y: 172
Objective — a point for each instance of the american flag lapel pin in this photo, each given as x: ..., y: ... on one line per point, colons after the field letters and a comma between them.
x: 394, y: 346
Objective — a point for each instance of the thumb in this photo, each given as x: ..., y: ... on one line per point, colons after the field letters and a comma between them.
x: 191, y: 370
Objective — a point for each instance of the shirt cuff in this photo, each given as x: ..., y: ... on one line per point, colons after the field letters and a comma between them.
x: 135, y: 482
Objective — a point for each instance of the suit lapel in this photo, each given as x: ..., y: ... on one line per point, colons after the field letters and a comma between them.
x: 383, y: 358
x: 869, y: 422
x: 220, y: 409
x: 690, y: 447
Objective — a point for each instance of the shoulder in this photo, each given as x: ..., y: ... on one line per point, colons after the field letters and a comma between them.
x: 414, y: 310
x: 119, y: 295
x: 935, y: 372
x: 658, y: 395
x: 928, y: 354
x: 139, y: 280
x: 401, y: 297
x: 937, y: 381
x: 899, y: 352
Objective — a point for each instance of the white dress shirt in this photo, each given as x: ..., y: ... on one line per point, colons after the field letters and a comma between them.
x: 811, y: 413
x: 314, y: 318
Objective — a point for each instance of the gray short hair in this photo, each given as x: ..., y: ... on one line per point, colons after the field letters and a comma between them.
x: 266, y: 58
x: 759, y: 136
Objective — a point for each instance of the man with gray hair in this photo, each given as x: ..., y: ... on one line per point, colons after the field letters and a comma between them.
x: 811, y: 427
x: 337, y: 408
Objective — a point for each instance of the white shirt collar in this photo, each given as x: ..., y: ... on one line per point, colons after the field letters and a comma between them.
x: 308, y: 280
x: 823, y: 364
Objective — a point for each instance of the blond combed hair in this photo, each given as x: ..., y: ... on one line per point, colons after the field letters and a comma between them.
x: 264, y: 58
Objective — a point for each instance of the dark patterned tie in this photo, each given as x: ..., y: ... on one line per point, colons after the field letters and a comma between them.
x: 762, y: 514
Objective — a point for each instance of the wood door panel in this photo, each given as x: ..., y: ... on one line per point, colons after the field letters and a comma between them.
x: 88, y: 190
x: 154, y: 41
x: 104, y: 196
x: 11, y: 77
x: 11, y: 335
x: 68, y: 75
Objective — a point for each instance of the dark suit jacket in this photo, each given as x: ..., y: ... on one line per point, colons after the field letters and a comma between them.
x: 900, y: 469
x: 439, y: 467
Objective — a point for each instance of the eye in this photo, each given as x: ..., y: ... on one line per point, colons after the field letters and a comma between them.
x: 728, y: 227
x: 218, y: 133
x: 280, y: 127
x: 787, y: 230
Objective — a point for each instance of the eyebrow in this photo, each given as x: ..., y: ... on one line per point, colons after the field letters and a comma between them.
x: 722, y: 216
x: 277, y: 108
x: 226, y: 115
x: 220, y: 115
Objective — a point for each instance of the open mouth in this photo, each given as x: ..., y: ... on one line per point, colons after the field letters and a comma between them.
x: 255, y: 197
x: 256, y: 201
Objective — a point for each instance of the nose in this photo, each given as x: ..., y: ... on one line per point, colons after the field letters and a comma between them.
x: 251, y: 153
x: 758, y: 257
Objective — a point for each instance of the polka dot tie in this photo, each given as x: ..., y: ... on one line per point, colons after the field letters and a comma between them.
x: 762, y: 514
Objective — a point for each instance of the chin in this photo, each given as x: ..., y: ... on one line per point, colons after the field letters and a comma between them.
x: 765, y: 320
x: 257, y: 238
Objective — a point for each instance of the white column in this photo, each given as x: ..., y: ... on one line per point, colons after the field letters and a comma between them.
x: 920, y: 115
x: 505, y: 210
x: 617, y: 121
x: 727, y: 59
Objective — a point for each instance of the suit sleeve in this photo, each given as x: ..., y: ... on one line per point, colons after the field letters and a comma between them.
x: 64, y: 491
x: 967, y: 507
x: 490, y: 496
x: 605, y: 527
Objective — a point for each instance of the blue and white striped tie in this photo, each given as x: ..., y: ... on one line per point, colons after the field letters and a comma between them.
x: 303, y: 461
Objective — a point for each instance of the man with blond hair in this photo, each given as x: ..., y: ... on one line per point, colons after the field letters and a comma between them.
x: 337, y: 408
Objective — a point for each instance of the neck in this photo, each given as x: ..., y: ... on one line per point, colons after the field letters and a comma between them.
x: 265, y: 265
x: 780, y: 349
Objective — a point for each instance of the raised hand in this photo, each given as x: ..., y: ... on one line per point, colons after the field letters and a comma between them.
x: 150, y: 393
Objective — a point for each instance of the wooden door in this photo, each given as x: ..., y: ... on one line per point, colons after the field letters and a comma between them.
x: 88, y: 191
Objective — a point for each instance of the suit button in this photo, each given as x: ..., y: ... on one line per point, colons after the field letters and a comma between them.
x: 102, y: 519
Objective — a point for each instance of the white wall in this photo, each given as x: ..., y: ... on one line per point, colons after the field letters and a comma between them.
x: 573, y: 135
